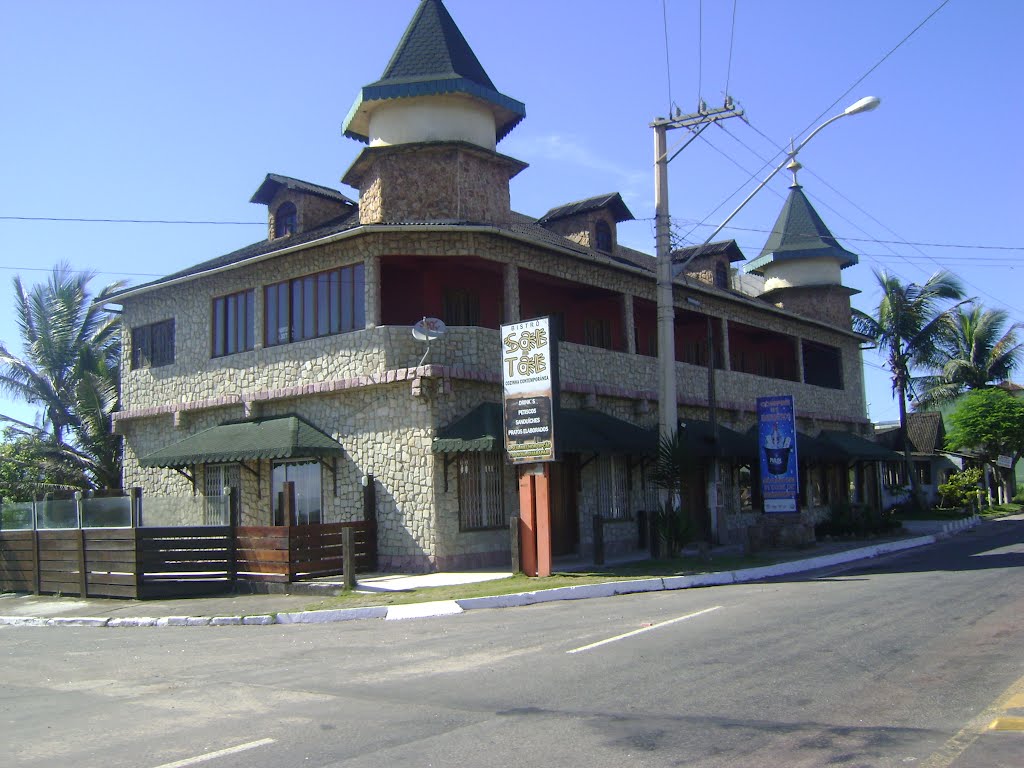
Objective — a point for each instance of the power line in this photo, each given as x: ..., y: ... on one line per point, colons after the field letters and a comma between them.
x: 877, y: 64
x: 964, y: 246
x: 732, y: 38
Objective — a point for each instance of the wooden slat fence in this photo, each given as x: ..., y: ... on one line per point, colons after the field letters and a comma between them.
x: 295, y: 552
x: 135, y: 563
x: 148, y: 562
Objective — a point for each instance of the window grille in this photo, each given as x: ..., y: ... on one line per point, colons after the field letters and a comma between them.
x: 613, y: 495
x: 481, y: 502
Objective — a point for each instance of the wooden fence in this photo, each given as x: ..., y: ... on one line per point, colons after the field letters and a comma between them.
x: 150, y: 562
x: 136, y: 563
x: 295, y: 552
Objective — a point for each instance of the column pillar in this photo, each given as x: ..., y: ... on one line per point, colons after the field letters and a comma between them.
x: 799, y: 360
x: 726, y: 361
x: 629, y: 323
x: 535, y: 520
x: 373, y: 291
x: 511, y: 286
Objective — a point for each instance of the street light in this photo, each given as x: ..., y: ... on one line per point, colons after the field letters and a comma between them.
x: 667, y: 403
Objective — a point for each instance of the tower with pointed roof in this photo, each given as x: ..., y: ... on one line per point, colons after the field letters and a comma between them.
x: 432, y: 123
x: 802, y: 262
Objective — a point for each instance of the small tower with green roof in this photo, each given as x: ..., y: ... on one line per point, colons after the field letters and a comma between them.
x: 432, y: 123
x: 802, y: 262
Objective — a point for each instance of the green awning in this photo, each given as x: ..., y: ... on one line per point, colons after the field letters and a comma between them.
x: 859, y: 448
x: 282, y: 437
x: 479, y: 430
x: 699, y: 439
x: 596, y: 432
x: 482, y: 429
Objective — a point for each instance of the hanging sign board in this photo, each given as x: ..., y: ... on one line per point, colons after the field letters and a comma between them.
x: 776, y: 446
x: 529, y: 364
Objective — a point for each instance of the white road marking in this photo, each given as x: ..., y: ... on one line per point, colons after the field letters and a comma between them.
x: 218, y: 753
x: 639, y: 631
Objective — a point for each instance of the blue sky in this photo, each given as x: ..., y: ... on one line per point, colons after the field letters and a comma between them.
x: 176, y: 111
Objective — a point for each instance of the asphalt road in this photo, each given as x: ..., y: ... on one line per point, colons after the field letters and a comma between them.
x: 898, y: 662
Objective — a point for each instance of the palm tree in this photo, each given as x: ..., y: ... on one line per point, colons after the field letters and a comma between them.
x: 907, y: 326
x: 971, y: 354
x: 69, y: 368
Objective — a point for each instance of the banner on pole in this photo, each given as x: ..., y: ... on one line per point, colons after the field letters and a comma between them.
x: 530, y: 390
x: 776, y: 446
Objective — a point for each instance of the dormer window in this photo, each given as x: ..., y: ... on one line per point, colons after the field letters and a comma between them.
x: 286, y: 220
x: 721, y: 275
x: 603, y: 237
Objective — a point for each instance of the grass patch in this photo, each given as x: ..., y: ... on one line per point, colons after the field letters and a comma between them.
x: 1001, y: 510
x: 641, y: 569
x: 935, y: 513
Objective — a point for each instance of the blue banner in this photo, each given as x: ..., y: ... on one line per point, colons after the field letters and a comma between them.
x: 776, y: 445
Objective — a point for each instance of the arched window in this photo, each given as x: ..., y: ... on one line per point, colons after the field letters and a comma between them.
x: 286, y: 220
x: 603, y: 237
x: 721, y: 275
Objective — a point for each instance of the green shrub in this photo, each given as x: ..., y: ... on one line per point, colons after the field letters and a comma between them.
x: 962, y: 488
x: 856, y: 520
x: 673, y: 528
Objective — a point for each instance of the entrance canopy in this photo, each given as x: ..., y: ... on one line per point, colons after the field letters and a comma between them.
x: 699, y: 439
x: 859, y: 448
x: 482, y: 429
x: 282, y: 437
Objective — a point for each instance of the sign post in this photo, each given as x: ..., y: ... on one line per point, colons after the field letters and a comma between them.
x: 776, y: 447
x: 530, y: 403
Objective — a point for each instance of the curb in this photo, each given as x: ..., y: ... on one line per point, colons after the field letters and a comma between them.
x: 440, y: 608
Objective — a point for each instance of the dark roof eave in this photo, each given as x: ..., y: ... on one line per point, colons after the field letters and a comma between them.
x: 508, y: 112
x: 845, y: 258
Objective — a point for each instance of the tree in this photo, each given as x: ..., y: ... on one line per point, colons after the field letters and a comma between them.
x: 25, y: 471
x: 906, y: 326
x: 973, y: 352
x: 990, y: 424
x: 70, y: 369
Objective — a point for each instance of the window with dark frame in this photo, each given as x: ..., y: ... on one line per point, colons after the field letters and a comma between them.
x: 232, y: 323
x: 721, y: 275
x: 603, y: 236
x: 481, y: 502
x: 597, y: 332
x: 324, y: 304
x: 286, y: 220
x: 153, y: 345
x: 924, y: 472
x: 823, y: 365
x: 461, y: 307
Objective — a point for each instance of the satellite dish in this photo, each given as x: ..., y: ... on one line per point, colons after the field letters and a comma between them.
x: 428, y: 329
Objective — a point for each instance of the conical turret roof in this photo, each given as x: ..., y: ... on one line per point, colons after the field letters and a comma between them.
x: 799, y: 233
x: 433, y: 59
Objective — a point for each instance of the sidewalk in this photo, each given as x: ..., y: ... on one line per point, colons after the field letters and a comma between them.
x: 263, y: 609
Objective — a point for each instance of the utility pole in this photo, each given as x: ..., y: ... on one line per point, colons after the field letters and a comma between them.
x: 667, y: 399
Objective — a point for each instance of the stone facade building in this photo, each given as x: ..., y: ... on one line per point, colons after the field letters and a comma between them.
x: 315, y: 322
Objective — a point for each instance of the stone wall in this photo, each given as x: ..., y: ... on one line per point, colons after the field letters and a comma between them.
x: 427, y: 183
x: 830, y: 304
x: 311, y: 210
